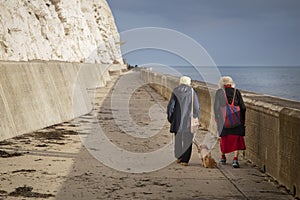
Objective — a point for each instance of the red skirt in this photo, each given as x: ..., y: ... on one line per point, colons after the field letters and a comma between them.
x: 230, y: 143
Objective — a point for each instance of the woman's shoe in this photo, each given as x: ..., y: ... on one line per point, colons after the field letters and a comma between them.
x: 178, y: 160
x: 235, y: 164
x: 223, y: 161
x: 184, y: 164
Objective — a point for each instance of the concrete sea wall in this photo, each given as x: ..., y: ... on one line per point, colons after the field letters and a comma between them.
x: 34, y: 95
x: 51, y: 51
x: 272, y: 127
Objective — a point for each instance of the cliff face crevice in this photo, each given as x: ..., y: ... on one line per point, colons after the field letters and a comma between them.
x: 62, y: 30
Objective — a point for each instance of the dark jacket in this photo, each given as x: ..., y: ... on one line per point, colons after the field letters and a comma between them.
x: 220, y: 101
x: 179, y: 108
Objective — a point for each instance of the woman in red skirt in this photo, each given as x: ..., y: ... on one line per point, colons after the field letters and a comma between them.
x: 232, y: 138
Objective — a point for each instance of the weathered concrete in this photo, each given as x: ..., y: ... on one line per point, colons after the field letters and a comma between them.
x: 272, y: 128
x: 34, y: 95
x: 289, y: 156
x: 56, y: 162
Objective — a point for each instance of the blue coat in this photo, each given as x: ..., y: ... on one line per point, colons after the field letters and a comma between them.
x: 179, y: 109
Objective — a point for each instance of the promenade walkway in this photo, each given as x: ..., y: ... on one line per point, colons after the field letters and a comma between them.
x: 64, y: 162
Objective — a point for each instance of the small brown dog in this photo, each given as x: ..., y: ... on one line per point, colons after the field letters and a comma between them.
x: 205, y: 154
x: 207, y: 160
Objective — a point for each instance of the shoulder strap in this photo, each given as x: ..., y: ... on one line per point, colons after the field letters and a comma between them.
x: 232, y: 102
x: 225, y: 96
x: 192, y: 106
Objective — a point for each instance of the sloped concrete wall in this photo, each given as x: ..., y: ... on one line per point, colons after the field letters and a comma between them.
x: 34, y: 95
x: 272, y: 128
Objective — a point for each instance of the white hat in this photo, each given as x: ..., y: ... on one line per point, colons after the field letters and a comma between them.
x: 185, y: 80
x: 226, y: 80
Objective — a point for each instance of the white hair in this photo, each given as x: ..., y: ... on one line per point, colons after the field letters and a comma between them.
x: 185, y: 80
x: 226, y: 80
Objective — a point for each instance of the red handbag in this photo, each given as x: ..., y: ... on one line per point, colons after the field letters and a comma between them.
x: 231, y: 113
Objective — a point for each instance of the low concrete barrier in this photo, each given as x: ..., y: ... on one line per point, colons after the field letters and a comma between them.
x: 34, y: 95
x: 272, y: 127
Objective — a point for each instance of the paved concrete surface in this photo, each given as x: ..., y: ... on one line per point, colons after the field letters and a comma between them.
x: 53, y: 163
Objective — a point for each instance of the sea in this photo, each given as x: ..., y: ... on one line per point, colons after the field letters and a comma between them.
x: 283, y: 82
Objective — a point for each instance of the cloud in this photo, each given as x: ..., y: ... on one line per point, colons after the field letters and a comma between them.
x: 234, y: 31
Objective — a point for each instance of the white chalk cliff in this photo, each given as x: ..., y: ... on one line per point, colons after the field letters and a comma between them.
x: 63, y: 30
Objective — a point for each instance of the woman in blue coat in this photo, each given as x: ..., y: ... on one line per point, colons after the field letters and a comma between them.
x: 179, y: 115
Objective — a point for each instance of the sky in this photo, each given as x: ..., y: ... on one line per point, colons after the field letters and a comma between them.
x: 232, y: 32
